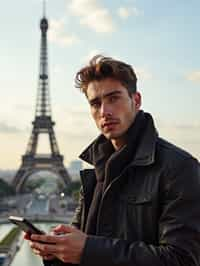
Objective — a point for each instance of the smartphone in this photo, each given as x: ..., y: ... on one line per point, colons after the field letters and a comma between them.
x: 25, y: 225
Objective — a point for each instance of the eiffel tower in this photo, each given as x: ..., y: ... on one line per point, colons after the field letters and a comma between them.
x: 42, y: 124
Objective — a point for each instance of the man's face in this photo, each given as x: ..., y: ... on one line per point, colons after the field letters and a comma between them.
x: 112, y: 108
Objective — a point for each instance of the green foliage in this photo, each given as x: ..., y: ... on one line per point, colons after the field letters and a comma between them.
x: 6, y: 189
x: 34, y: 183
x: 73, y: 187
x: 75, y: 195
x: 10, y: 237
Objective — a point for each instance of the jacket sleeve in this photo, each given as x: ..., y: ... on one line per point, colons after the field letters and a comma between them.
x: 76, y: 221
x: 179, y: 228
x: 55, y: 262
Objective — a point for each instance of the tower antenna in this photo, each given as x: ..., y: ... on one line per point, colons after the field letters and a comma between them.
x: 44, y: 8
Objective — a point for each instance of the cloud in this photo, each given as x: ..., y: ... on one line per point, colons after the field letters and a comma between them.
x: 125, y: 12
x: 195, y: 125
x: 76, y: 131
x: 5, y: 128
x: 143, y: 74
x: 58, y: 35
x: 194, y: 76
x: 24, y: 107
x: 92, y: 15
x: 91, y: 54
x: 185, y: 135
x: 77, y: 123
x: 58, y: 69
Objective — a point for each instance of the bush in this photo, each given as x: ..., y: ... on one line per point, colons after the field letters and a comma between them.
x: 72, y: 187
x: 10, y: 237
x: 6, y: 189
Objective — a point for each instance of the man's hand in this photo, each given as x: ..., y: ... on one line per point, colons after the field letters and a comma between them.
x: 44, y: 255
x: 67, y: 244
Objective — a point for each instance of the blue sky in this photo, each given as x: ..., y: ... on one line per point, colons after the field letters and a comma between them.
x: 160, y: 39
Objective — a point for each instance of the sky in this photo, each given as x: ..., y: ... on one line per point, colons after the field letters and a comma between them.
x: 160, y: 39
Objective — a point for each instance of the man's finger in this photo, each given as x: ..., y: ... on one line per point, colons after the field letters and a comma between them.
x: 63, y: 229
x: 46, y: 238
x: 44, y: 248
x: 27, y: 236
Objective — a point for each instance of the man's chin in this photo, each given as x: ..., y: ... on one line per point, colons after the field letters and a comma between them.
x: 111, y: 135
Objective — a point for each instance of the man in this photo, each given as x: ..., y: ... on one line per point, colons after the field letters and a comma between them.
x: 140, y: 204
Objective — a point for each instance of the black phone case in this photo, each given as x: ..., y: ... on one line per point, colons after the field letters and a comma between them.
x: 25, y: 225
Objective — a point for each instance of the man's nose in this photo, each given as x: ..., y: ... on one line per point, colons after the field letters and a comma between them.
x: 105, y: 110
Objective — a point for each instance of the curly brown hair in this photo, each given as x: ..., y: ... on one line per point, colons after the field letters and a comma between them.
x: 100, y: 68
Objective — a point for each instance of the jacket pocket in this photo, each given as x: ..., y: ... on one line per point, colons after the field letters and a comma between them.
x: 136, y: 217
x: 139, y: 199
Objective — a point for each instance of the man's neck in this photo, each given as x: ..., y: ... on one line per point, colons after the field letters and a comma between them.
x: 118, y: 143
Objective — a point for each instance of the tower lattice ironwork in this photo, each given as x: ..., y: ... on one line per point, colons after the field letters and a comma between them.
x: 42, y: 124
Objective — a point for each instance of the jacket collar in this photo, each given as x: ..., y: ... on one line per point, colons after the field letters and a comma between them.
x: 145, y: 153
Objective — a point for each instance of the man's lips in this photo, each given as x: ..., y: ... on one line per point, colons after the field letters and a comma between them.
x: 110, y: 124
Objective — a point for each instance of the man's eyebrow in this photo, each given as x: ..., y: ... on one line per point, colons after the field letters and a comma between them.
x: 115, y: 92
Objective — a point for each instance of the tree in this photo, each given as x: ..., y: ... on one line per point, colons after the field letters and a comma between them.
x: 72, y: 188
x: 6, y: 189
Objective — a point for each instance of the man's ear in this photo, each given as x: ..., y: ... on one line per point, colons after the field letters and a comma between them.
x: 137, y: 99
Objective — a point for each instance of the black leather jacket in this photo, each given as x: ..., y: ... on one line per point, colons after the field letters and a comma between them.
x: 150, y: 213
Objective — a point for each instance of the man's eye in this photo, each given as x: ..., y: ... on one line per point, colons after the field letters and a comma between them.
x: 113, y: 98
x: 96, y: 104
